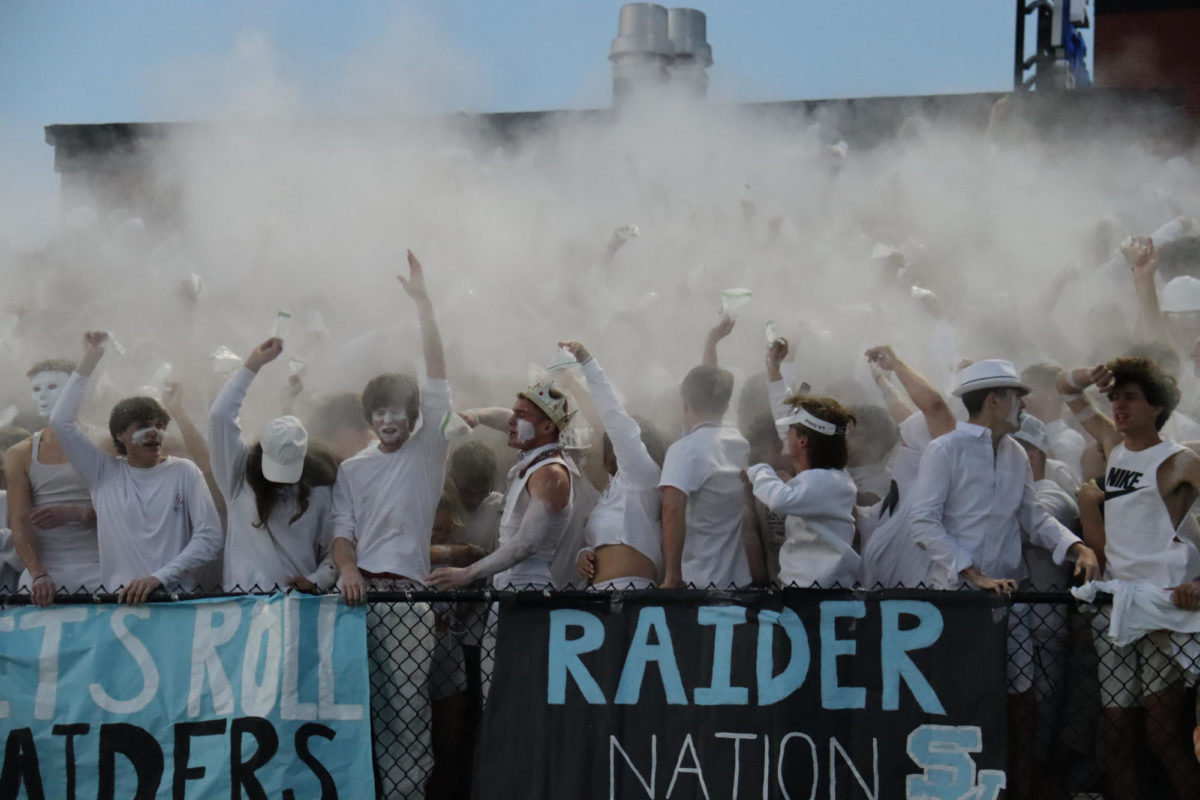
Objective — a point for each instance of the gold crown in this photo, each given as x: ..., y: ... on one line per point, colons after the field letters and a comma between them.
x: 541, y: 394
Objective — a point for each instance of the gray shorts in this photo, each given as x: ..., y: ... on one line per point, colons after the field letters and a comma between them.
x: 1130, y: 672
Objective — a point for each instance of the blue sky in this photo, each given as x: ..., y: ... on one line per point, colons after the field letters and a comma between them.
x: 81, y: 61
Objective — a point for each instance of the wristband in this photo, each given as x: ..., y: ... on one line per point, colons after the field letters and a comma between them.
x: 1069, y: 379
x: 1074, y: 397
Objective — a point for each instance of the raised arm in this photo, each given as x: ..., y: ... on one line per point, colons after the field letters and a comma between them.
x: 496, y: 418
x: 87, y: 459
x: 814, y: 492
x: 431, y: 338
x: 193, y: 440
x: 633, y: 460
x: 227, y: 448
x: 1143, y: 258
x: 715, y: 335
x: 545, y: 518
x: 928, y: 400
x: 1071, y: 384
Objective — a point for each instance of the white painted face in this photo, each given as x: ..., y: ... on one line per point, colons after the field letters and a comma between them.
x: 147, y: 436
x: 1014, y: 411
x: 390, y: 424
x: 525, y: 431
x: 45, y: 388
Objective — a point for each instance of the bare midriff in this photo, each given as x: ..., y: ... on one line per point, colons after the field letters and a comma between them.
x: 615, y: 561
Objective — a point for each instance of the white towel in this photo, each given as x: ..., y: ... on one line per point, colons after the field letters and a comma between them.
x: 1139, y: 609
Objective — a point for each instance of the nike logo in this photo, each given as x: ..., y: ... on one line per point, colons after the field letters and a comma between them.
x: 1110, y: 494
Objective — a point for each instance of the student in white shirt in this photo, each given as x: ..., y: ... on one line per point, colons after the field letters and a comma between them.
x: 53, y: 522
x: 277, y: 492
x: 624, y: 532
x: 973, y: 499
x: 702, y: 492
x: 156, y: 520
x: 818, y: 501
x: 1149, y: 537
x: 384, y: 500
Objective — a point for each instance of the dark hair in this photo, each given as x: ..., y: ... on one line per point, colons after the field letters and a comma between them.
x: 320, y: 469
x: 708, y: 389
x: 52, y: 365
x: 974, y: 400
x: 1159, y: 352
x: 1159, y: 388
x: 825, y: 451
x: 1042, y: 375
x: 877, y: 427
x: 1179, y: 257
x: 474, y: 463
x: 392, y: 389
x: 131, y: 410
x: 339, y: 411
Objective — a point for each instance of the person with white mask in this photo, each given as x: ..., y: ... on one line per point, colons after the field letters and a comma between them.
x: 277, y: 492
x: 155, y: 518
x: 49, y: 504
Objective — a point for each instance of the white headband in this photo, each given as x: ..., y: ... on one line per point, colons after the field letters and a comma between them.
x: 802, y: 417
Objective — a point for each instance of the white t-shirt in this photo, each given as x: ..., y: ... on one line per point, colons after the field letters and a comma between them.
x: 157, y: 521
x: 385, y: 502
x: 707, y: 466
x: 267, y: 556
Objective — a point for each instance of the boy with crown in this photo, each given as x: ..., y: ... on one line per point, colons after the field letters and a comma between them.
x: 538, y: 504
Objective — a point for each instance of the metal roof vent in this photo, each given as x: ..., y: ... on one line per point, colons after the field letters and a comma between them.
x: 642, y: 52
x: 687, y: 28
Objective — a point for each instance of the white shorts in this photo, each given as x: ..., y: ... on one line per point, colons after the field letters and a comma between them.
x: 618, y: 584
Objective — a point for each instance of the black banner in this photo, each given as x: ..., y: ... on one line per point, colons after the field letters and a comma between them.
x: 799, y: 694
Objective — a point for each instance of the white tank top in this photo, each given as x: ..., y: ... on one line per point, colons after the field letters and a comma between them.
x: 1141, y: 544
x: 70, y: 553
x: 535, y: 570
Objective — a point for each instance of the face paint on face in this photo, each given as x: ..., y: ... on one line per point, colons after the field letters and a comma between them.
x: 390, y: 424
x: 145, y: 436
x: 525, y: 431
x: 1014, y: 413
x: 45, y: 388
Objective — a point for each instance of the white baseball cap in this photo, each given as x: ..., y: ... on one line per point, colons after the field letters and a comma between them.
x: 1181, y: 294
x: 991, y: 373
x: 284, y: 443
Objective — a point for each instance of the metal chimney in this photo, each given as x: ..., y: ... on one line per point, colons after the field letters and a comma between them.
x: 642, y: 52
x: 687, y: 28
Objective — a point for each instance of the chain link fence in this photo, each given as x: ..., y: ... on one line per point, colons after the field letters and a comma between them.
x: 1087, y: 718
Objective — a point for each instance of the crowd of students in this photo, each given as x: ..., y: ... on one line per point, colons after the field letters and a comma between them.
x: 1029, y: 478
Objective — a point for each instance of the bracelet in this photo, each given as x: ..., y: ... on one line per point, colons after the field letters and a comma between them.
x: 44, y: 576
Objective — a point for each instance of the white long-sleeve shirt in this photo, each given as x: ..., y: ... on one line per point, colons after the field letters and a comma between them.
x: 630, y: 510
x: 819, y: 504
x: 269, y: 555
x: 971, y: 503
x: 384, y: 503
x: 157, y: 521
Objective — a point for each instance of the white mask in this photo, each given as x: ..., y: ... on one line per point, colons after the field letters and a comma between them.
x: 1014, y: 414
x: 390, y: 423
x: 144, y: 435
x: 45, y: 387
